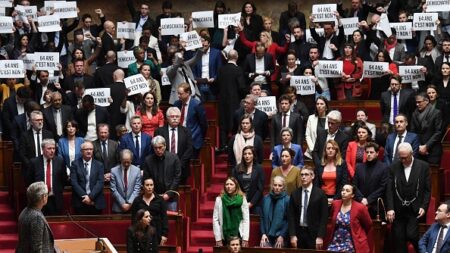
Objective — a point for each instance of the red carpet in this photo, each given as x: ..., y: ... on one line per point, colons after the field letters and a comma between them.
x: 8, y: 225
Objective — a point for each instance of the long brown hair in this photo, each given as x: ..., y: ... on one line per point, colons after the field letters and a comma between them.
x: 139, y: 228
x: 243, y: 166
x: 154, y: 109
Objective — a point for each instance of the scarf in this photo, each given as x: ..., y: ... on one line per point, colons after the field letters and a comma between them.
x: 388, y: 46
x: 271, y: 215
x: 232, y: 215
x: 240, y: 141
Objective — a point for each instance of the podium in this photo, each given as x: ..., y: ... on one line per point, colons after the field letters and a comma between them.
x: 82, y: 245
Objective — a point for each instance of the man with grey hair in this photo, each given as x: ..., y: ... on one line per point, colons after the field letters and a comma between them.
x: 332, y: 133
x: 165, y: 169
x: 260, y: 119
x: 125, y: 183
x: 179, y: 139
x: 50, y: 169
x: 35, y: 234
x: 408, y: 194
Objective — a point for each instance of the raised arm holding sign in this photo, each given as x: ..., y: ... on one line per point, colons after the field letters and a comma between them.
x: 203, y: 19
x: 6, y: 25
x: 136, y: 84
x: 172, y: 26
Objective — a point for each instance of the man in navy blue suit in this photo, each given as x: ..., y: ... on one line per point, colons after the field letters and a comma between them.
x: 138, y: 142
x: 437, y: 238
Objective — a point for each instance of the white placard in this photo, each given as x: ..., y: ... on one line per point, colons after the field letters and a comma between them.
x: 28, y: 61
x: 125, y: 58
x: 50, y: 23
x: 164, y: 78
x: 310, y: 39
x: 203, y: 19
x: 49, y: 6
x: 374, y: 69
x: 136, y: 84
x: 438, y: 5
x: 46, y: 61
x: 329, y: 69
x: 350, y: 25
x: 303, y: 84
x: 6, y: 25
x: 172, y: 26
x: 225, y: 20
x: 66, y: 9
x: 411, y: 73
x: 384, y: 25
x: 26, y: 11
x: 126, y: 30
x: 100, y: 95
x: 324, y: 12
x: 267, y: 104
x: 2, y: 11
x: 6, y: 3
x: 52, y: 78
x: 425, y: 21
x: 192, y: 40
x: 403, y: 30
x: 12, y: 69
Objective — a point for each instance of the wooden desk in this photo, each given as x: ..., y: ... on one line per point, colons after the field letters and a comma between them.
x: 82, y: 245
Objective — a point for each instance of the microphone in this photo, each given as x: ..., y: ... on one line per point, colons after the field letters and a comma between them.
x: 99, y: 244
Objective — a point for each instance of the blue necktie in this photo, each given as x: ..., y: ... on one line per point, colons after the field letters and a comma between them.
x: 395, y: 108
x: 138, y: 149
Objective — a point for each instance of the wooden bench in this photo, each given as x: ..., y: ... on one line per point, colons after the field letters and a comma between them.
x: 348, y: 109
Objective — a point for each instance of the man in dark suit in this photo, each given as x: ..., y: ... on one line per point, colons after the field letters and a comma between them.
x: 104, y: 74
x: 358, y: 9
x: 258, y: 67
x: 299, y: 45
x: 193, y: 117
x: 332, y: 133
x: 434, y: 239
x: 35, y: 234
x: 118, y: 94
x: 444, y: 57
x: 400, y: 135
x: 396, y: 100
x: 13, y: 106
x: 91, y: 29
x: 408, y: 194
x: 260, y: 119
x: 78, y: 76
x: 426, y: 121
x: 89, y: 116
x: 427, y: 69
x: 142, y: 17
x: 165, y: 169
x: 136, y: 141
x: 330, y: 51
x: 105, y: 150
x: 286, y: 118
x: 50, y: 169
x: 43, y: 84
x: 179, y: 139
x: 21, y: 123
x: 307, y: 213
x: 57, y: 115
x: 108, y: 43
x: 86, y: 177
x: 370, y: 179
x: 286, y: 16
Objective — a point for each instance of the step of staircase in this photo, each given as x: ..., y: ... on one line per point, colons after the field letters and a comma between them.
x: 8, y: 227
x: 202, y: 224
x: 8, y: 241
x: 6, y: 213
x: 4, y: 197
x: 202, y: 237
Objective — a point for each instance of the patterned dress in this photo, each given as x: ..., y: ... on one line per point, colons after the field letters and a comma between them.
x: 342, y: 238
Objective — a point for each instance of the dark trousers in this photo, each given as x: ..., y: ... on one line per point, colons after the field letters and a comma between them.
x: 87, y: 210
x: 405, y: 229
x: 50, y: 208
x: 304, y: 238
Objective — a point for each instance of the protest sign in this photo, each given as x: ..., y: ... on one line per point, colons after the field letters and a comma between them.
x: 50, y: 23
x: 125, y: 58
x: 46, y: 61
x: 26, y: 11
x: 425, y: 21
x: 403, y: 30
x: 329, y: 69
x: 12, y: 69
x: 267, y: 104
x: 303, y: 84
x: 384, y: 25
x: 350, y: 25
x: 172, y: 26
x: 225, y: 20
x: 126, y: 30
x: 309, y: 38
x: 374, y: 69
x: 28, y: 61
x: 2, y: 11
x: 164, y: 78
x: 136, y: 84
x: 6, y: 3
x: 324, y: 12
x: 100, y: 95
x: 203, y: 19
x: 49, y: 6
x: 411, y: 73
x: 6, y: 25
x: 192, y: 40
x: 438, y: 5
x: 65, y: 9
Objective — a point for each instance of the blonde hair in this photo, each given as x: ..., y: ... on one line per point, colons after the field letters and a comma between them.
x: 269, y: 39
x: 337, y: 157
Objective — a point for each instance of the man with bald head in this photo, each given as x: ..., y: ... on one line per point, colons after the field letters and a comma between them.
x: 57, y: 115
x: 108, y: 41
x: 118, y: 94
x: 104, y: 74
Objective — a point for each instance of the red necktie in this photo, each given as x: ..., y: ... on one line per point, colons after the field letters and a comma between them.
x: 48, y: 175
x: 173, y: 142
x: 183, y: 110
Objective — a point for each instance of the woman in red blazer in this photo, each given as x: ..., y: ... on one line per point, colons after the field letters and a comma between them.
x: 351, y: 224
x: 356, y: 149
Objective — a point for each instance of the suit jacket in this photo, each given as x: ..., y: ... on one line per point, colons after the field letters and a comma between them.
x: 19, y: 126
x: 184, y: 146
x: 81, y: 116
x: 35, y: 234
x: 260, y: 122
x: 295, y: 123
x: 336, y: 40
x: 195, y: 121
x: 350, y: 157
x: 69, y: 82
x: 104, y: 74
x: 420, y: 175
x: 215, y: 62
x: 9, y: 111
x: 371, y: 188
x: 121, y: 197
x: 112, y: 152
x: 63, y: 149
x: 49, y: 119
x: 107, y: 45
x: 127, y: 142
x: 298, y: 158
x: 405, y: 104
x: 135, y: 16
x: 341, y: 138
x: 78, y: 180
x: 430, y: 237
x: 27, y: 149
x: 254, y: 194
x: 316, y: 214
x: 250, y: 66
x: 389, y: 148
x: 37, y: 90
x: 311, y: 132
x: 341, y: 178
x: 360, y: 225
x: 94, y: 28
x: 59, y: 176
x: 118, y: 94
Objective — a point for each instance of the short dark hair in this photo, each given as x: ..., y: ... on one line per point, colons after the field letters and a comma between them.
x: 85, y: 16
x: 166, y: 4
x: 373, y: 145
x: 73, y: 123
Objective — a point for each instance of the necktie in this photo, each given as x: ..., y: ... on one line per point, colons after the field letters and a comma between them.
x: 88, y: 187
x: 38, y: 141
x: 447, y: 57
x: 138, y: 149
x: 48, y: 176
x: 395, y: 107
x: 104, y: 154
x: 284, y: 120
x: 173, y: 142
x: 305, y: 207
x: 188, y: 81
x: 400, y: 137
x: 440, y: 240
x: 86, y: 168
x: 125, y: 179
x: 58, y: 123
x: 183, y: 111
